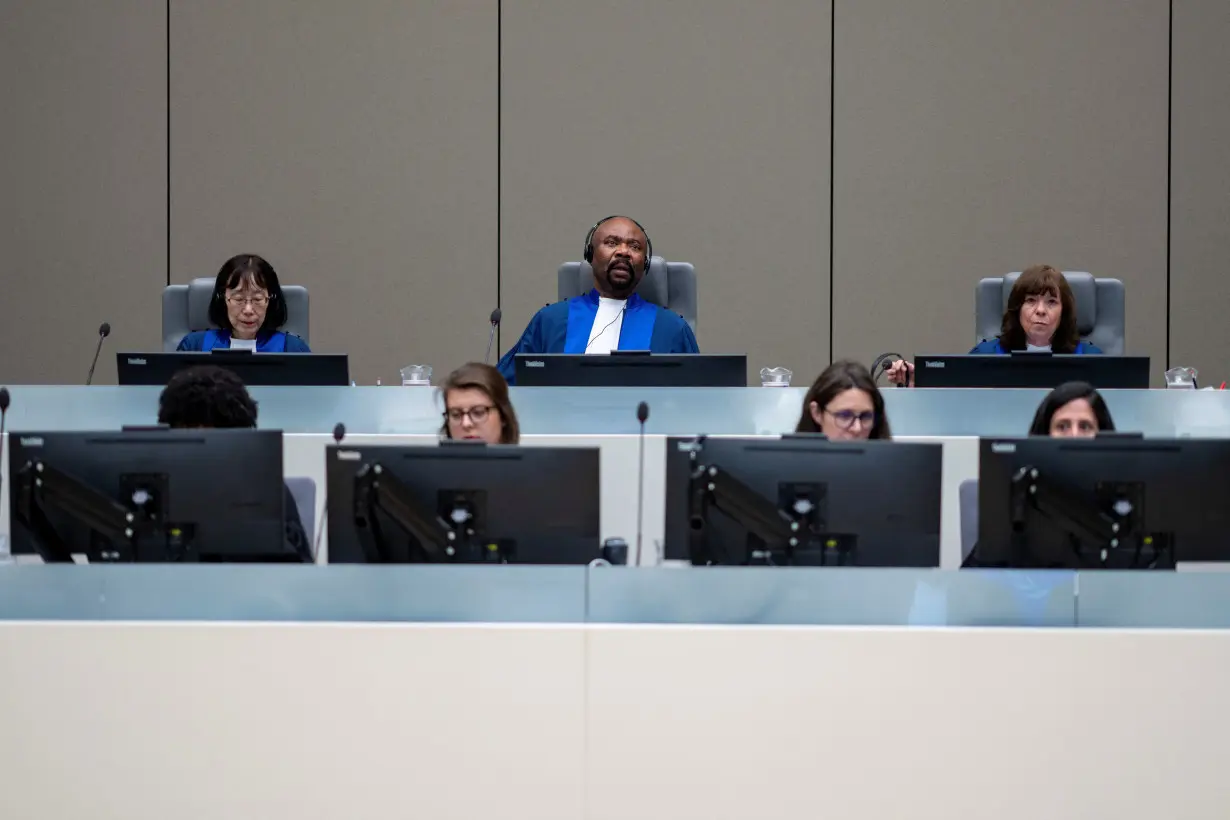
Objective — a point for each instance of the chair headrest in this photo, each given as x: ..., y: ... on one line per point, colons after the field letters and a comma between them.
x: 1084, y: 291
x: 653, y: 288
x: 200, y: 293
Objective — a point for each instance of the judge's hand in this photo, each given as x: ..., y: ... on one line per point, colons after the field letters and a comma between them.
x: 901, y: 372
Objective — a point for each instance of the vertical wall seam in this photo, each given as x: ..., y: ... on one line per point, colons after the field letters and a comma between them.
x: 499, y: 167
x: 1169, y: 153
x: 168, y: 34
x: 832, y: 166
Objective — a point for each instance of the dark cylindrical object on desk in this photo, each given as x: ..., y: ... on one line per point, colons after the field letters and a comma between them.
x: 615, y: 552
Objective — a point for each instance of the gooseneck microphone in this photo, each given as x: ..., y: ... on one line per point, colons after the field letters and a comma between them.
x: 339, y: 433
x: 4, y: 411
x: 104, y: 330
x: 642, y: 415
x: 495, y: 322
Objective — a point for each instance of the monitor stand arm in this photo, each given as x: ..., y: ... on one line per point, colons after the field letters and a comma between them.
x: 710, y: 487
x: 41, y: 487
x: 376, y: 489
x: 1032, y: 492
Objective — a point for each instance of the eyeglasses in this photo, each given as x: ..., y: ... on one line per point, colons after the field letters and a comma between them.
x: 239, y: 300
x: 845, y: 418
x: 477, y: 414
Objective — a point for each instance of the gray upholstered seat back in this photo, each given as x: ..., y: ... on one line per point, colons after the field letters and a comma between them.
x: 671, y: 285
x: 185, y: 308
x: 1100, y: 309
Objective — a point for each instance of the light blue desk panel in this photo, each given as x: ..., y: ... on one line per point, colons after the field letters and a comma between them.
x: 524, y: 594
x: 458, y: 594
x: 831, y: 597
x: 1178, y: 600
x: 527, y: 594
x: 292, y: 409
x: 673, y: 411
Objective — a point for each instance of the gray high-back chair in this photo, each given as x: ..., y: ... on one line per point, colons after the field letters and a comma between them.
x: 671, y: 285
x: 1100, y: 312
x: 185, y: 308
x: 303, y: 490
x: 967, y: 496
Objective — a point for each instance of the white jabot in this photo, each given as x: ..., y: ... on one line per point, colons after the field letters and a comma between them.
x: 243, y: 344
x: 604, y: 335
x: 1037, y: 348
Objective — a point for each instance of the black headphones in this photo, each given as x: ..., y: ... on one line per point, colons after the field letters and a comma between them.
x: 589, y: 239
x: 882, y: 363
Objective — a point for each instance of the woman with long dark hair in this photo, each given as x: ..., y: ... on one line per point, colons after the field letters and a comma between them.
x: 1072, y: 410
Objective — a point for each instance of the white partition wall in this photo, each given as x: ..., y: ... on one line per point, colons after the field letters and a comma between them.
x: 213, y: 722
x: 157, y: 721
x: 727, y: 724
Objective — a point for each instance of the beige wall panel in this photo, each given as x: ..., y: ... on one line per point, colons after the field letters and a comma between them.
x: 977, y: 137
x: 354, y: 145
x: 707, y: 120
x: 83, y: 175
x: 1200, y: 189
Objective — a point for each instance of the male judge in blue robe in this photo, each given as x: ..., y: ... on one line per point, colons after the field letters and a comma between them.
x: 611, y: 316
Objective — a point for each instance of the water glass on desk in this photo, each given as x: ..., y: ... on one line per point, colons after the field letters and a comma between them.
x: 1182, y: 378
x: 775, y: 377
x: 416, y: 375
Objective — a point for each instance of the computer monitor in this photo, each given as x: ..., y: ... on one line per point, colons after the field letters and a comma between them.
x: 1102, y: 503
x: 803, y: 500
x: 1032, y: 370
x: 463, y: 503
x: 628, y: 368
x: 253, y: 369
x: 149, y: 495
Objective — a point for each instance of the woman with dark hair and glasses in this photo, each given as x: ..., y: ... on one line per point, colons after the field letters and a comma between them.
x: 844, y: 404
x: 1040, y: 318
x: 248, y: 308
x: 477, y: 407
x: 1072, y: 410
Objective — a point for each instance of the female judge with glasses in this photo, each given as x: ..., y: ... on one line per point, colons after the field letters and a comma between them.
x: 248, y: 308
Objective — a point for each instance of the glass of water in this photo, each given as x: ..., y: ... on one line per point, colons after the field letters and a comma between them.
x: 417, y: 375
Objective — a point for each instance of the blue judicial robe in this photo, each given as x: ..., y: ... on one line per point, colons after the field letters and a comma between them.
x: 992, y: 347
x: 564, y: 328
x: 204, y: 341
